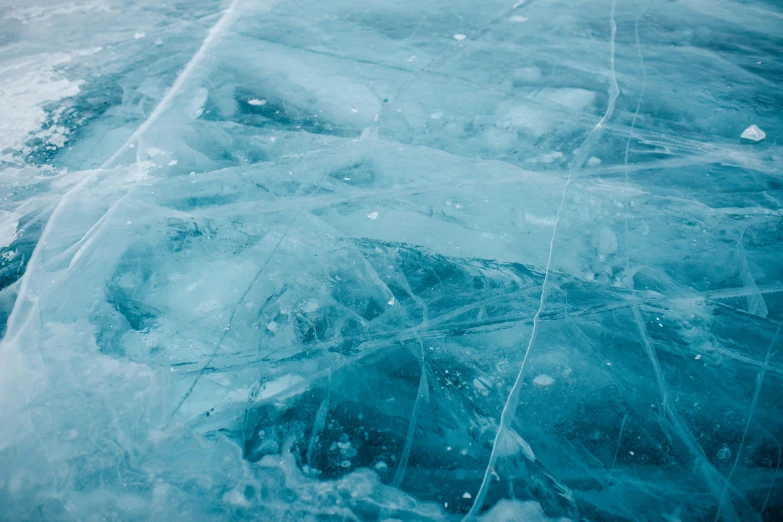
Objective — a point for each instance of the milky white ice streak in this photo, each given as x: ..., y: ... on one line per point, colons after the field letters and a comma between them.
x: 18, y: 318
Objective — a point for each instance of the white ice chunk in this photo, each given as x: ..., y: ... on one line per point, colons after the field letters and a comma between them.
x: 754, y: 134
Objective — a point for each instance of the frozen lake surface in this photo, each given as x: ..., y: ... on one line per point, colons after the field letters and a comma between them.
x: 342, y: 260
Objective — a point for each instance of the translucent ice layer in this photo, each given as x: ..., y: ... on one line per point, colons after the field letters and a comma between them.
x: 410, y: 260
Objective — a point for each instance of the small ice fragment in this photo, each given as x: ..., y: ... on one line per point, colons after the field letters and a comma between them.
x: 593, y: 161
x: 256, y: 102
x: 466, y: 495
x: 131, y: 146
x: 518, y: 18
x: 459, y: 37
x: 354, y: 110
x: 172, y: 163
x: 543, y: 380
x: 391, y: 301
x: 753, y: 134
x: 724, y: 453
x: 192, y: 174
x: 272, y: 326
x: 346, y: 464
x: 410, y: 58
x: 632, y: 453
x: 347, y: 179
x: 138, y: 35
x: 381, y: 466
x: 448, y: 448
x: 698, y: 357
x: 272, y: 139
x: 520, y: 2
x: 159, y: 41
x: 373, y: 215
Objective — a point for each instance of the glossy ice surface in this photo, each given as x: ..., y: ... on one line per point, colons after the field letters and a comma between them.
x: 379, y: 260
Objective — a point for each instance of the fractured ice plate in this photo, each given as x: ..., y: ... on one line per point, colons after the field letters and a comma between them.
x: 316, y: 261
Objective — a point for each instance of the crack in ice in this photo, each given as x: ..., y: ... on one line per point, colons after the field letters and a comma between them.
x: 513, y: 397
x: 15, y: 323
x: 751, y: 411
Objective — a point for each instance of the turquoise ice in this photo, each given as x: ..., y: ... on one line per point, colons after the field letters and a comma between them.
x: 391, y: 260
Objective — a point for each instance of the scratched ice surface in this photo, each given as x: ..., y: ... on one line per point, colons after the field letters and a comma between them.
x: 409, y: 260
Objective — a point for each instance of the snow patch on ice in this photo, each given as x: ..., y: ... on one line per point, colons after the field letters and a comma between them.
x: 27, y: 85
x: 8, y: 224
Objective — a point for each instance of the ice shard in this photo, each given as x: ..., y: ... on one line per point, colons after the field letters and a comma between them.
x: 373, y: 261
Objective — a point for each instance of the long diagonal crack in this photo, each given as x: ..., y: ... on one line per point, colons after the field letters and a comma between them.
x: 512, y: 400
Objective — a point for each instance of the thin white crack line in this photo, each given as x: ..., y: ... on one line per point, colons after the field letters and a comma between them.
x: 617, y: 448
x: 630, y: 135
x: 164, y: 103
x: 511, y: 401
x: 753, y: 404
